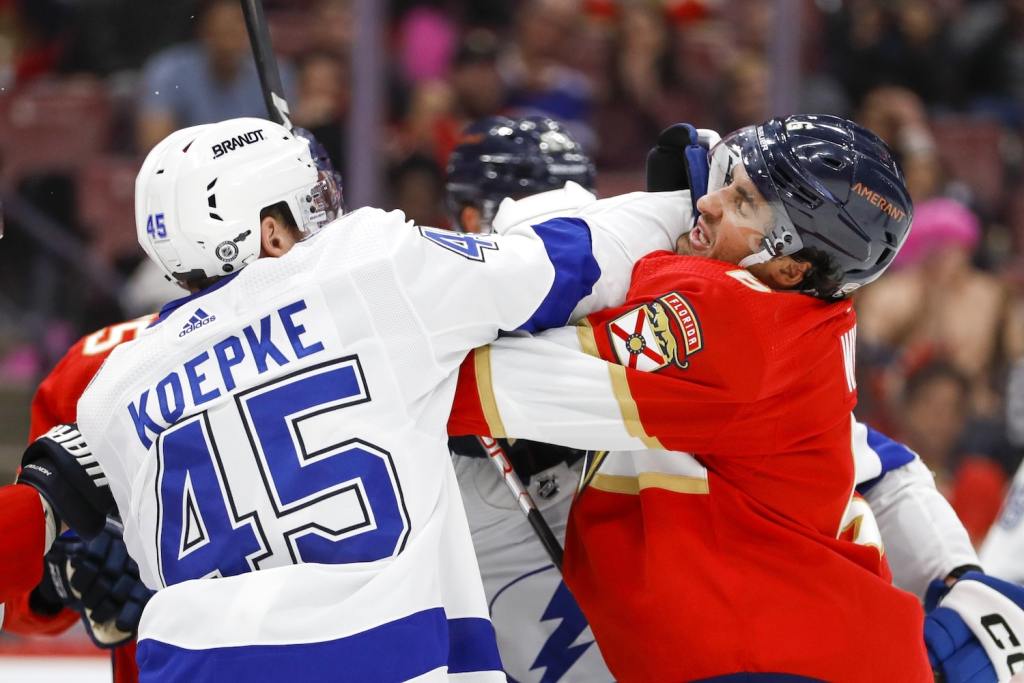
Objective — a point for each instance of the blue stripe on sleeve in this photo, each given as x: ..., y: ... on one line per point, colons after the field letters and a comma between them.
x: 472, y: 646
x: 892, y: 454
x: 570, y: 250
x: 395, y: 651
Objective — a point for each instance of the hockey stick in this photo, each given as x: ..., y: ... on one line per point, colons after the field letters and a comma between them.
x: 266, y: 62
x: 497, y: 455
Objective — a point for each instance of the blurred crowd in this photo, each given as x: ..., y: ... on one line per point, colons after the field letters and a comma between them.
x: 86, y: 88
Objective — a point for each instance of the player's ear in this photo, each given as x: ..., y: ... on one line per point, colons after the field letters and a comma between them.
x: 275, y: 239
x: 781, y: 273
x: 469, y: 217
x: 791, y: 272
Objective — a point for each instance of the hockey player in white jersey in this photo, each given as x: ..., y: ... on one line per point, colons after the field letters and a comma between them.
x: 289, y: 415
x: 505, y: 172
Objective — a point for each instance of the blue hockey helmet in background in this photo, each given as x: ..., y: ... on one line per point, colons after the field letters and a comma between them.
x: 499, y: 157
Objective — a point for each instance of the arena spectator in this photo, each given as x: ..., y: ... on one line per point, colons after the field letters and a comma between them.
x: 210, y: 80
x: 936, y: 300
x: 900, y: 118
x: 536, y: 67
x: 418, y: 189
x: 932, y: 421
x: 645, y: 91
x: 438, y: 110
x: 323, y: 102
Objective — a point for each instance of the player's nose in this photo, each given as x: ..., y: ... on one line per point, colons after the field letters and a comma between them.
x: 710, y: 205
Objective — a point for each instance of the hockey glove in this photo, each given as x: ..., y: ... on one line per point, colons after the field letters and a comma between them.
x: 98, y: 580
x: 975, y: 634
x: 61, y: 467
x: 679, y: 161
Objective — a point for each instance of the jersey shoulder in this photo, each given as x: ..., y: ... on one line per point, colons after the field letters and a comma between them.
x: 561, y: 202
x: 57, y: 397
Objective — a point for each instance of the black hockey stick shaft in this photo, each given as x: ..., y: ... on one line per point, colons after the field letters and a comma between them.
x: 266, y: 62
x: 497, y: 455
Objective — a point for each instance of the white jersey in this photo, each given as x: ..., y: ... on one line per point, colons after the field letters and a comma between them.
x: 923, y: 538
x: 1003, y: 547
x: 290, y: 419
x: 542, y: 634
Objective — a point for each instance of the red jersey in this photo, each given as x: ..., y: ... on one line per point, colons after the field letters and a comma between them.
x: 56, y: 402
x: 741, y: 557
x: 22, y: 528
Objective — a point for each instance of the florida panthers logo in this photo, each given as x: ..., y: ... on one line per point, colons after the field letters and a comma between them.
x: 655, y: 335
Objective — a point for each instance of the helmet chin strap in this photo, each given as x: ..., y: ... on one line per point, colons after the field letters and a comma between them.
x: 763, y: 256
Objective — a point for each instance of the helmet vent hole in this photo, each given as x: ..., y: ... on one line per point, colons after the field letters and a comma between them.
x: 785, y: 183
x: 890, y: 238
x: 160, y: 172
x: 832, y: 162
x: 884, y: 256
x: 215, y: 216
x: 212, y: 183
x: 212, y: 201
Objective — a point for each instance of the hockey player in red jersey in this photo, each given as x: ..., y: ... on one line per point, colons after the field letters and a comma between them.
x: 34, y: 606
x: 742, y: 559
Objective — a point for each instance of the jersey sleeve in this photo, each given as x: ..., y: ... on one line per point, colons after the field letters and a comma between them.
x: 22, y: 528
x: 682, y: 377
x: 1004, y: 544
x: 924, y: 540
x: 465, y: 288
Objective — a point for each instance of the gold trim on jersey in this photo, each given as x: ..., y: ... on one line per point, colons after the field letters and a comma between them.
x: 485, y: 388
x: 617, y: 483
x: 630, y: 413
x: 586, y: 336
x: 591, y: 463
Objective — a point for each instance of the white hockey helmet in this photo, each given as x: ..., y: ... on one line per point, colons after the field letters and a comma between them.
x: 200, y: 191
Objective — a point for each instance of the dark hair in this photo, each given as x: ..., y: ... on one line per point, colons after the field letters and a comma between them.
x: 934, y: 370
x: 825, y: 275
x: 283, y: 214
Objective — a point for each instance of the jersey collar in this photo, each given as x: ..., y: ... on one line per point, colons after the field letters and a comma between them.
x: 172, y: 306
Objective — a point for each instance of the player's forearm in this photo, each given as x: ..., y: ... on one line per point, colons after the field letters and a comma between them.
x: 546, y: 388
x: 531, y: 388
x: 923, y: 537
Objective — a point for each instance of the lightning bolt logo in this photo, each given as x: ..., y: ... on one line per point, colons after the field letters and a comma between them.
x: 559, y: 652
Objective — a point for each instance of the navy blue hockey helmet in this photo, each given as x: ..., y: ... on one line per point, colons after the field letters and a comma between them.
x: 500, y: 157
x: 834, y: 186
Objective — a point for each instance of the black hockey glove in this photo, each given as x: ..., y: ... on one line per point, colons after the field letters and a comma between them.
x: 61, y: 467
x: 98, y: 580
x: 679, y: 161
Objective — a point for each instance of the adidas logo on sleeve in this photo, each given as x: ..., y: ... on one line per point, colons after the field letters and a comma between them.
x: 198, y: 319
